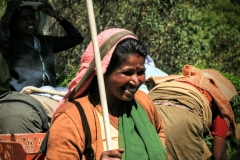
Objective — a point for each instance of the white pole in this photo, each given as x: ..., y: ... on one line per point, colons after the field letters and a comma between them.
x: 99, y: 73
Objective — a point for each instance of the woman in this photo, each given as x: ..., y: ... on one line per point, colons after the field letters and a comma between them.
x: 29, y: 55
x: 195, y: 104
x: 136, y: 127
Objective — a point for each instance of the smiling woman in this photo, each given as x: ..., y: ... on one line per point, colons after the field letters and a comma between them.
x: 24, y: 23
x: 126, y: 71
x: 30, y: 55
x: 136, y: 127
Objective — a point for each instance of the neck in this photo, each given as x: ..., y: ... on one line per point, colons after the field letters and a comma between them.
x: 113, y: 107
x: 26, y: 38
x: 114, y: 110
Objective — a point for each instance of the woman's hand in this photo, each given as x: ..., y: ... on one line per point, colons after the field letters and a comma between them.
x: 112, y: 154
x: 12, y: 5
x: 47, y: 9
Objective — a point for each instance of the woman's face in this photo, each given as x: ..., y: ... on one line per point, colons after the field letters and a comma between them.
x: 124, y: 81
x: 26, y: 22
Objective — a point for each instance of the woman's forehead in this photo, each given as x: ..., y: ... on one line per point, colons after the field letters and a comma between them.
x: 133, y: 59
x: 26, y: 11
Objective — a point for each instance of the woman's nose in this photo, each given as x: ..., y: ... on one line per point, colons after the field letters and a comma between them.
x: 30, y: 19
x: 135, y: 80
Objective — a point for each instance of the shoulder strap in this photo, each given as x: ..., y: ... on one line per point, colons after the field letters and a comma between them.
x: 88, y: 147
x: 43, y: 147
x: 88, y: 138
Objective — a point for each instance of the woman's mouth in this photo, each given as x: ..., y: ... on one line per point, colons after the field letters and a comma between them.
x: 131, y: 89
x: 30, y: 27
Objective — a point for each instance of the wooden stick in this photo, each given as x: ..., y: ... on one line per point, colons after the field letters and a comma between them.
x: 99, y: 73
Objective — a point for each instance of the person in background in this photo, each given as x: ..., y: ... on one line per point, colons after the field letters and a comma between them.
x: 28, y: 54
x: 193, y: 105
x: 136, y: 126
x: 28, y: 64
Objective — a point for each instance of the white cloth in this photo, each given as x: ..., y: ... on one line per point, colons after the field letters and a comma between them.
x: 55, y: 93
x: 151, y: 71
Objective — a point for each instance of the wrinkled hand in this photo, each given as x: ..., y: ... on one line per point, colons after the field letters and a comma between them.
x: 12, y: 5
x: 47, y: 9
x: 112, y: 154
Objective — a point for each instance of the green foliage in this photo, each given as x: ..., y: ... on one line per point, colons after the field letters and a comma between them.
x: 70, y: 71
x: 235, y: 103
x: 176, y: 32
x: 232, y: 146
x: 2, y: 7
x: 234, y: 79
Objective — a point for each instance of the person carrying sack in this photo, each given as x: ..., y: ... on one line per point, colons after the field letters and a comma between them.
x: 194, y: 104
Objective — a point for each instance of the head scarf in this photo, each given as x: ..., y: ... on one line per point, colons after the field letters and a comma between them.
x: 107, y: 42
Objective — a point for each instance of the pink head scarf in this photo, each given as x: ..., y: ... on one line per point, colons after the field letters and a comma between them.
x: 87, y: 70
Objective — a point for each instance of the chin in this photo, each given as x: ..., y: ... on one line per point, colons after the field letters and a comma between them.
x: 128, y: 98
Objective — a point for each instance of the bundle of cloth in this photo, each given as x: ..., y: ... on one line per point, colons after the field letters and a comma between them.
x: 29, y: 111
x: 48, y: 96
x: 192, y: 105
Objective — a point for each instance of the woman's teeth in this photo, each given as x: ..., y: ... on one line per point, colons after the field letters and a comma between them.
x: 132, y: 90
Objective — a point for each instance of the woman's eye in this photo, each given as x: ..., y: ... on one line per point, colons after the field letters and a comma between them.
x: 127, y: 73
x: 32, y: 17
x: 27, y: 18
x: 23, y: 18
x: 141, y: 73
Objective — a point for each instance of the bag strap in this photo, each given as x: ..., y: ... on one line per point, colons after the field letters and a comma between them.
x: 43, y: 147
x: 88, y: 147
x: 86, y: 129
